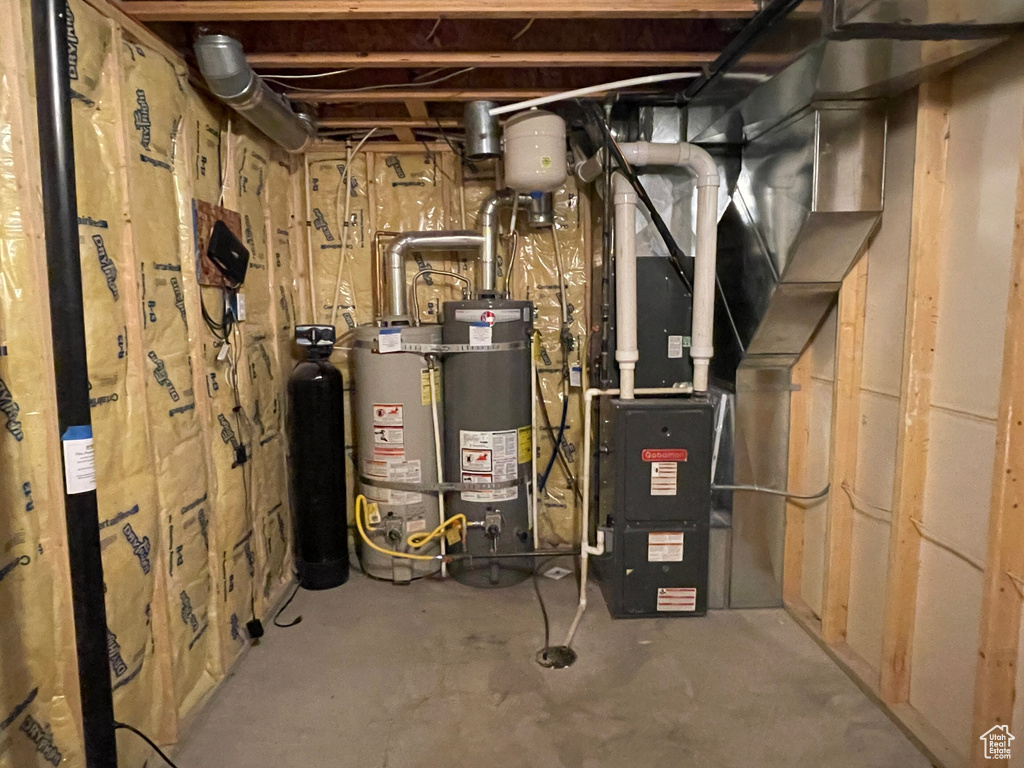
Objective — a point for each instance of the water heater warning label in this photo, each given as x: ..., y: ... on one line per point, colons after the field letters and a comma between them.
x: 665, y: 547
x: 489, y: 457
x: 476, y: 460
x: 677, y: 599
x: 387, y: 415
x: 388, y: 430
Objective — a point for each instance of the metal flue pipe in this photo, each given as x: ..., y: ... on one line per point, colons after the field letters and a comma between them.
x: 230, y: 78
x: 408, y: 242
x: 488, y: 223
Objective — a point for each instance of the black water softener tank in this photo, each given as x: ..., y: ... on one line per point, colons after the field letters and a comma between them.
x: 317, y: 432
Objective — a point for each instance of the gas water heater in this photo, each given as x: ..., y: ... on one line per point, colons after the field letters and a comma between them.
x: 488, y: 437
x: 392, y: 408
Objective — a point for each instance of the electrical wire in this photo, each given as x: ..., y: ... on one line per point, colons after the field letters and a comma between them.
x: 433, y: 29
x: 280, y: 610
x: 124, y: 726
x: 774, y: 491
x: 367, y: 88
x: 281, y: 76
x: 540, y: 600
x: 296, y: 88
x: 523, y: 31
x: 345, y: 184
x: 224, y: 163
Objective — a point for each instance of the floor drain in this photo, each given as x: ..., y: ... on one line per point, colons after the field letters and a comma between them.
x: 556, y: 657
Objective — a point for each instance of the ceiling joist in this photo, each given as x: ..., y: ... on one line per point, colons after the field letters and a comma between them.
x: 421, y: 94
x: 293, y: 10
x: 341, y: 123
x: 498, y: 59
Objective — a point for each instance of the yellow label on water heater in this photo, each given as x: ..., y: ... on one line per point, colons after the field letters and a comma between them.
x: 425, y: 385
x: 525, y: 435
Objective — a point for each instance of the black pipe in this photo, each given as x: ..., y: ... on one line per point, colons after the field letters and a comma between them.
x: 67, y: 328
x: 739, y: 46
x: 509, y: 555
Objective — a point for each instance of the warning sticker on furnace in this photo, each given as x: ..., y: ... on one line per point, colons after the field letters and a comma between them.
x: 665, y: 547
x: 677, y: 599
x: 663, y: 478
x: 489, y: 457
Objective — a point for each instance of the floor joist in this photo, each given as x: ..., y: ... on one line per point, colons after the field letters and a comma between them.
x: 284, y: 10
x: 411, y: 59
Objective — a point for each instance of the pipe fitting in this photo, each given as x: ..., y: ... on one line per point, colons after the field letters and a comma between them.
x: 703, y: 166
x: 407, y: 242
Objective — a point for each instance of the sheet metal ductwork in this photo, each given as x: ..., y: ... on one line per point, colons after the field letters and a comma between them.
x: 808, y: 199
x: 230, y: 78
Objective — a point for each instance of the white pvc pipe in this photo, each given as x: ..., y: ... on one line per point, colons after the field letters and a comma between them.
x: 592, y: 89
x: 440, y: 463
x: 626, y: 350
x: 702, y: 165
x: 585, y: 549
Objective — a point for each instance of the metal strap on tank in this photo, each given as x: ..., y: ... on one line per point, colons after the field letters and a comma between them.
x: 450, y: 349
x: 437, y: 487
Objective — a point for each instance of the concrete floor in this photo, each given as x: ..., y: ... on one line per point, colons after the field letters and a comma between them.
x: 437, y: 674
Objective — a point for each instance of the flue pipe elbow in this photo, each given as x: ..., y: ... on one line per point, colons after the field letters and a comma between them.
x: 408, y: 242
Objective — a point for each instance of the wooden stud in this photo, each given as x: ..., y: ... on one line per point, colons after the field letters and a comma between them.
x: 491, y: 59
x: 995, y: 682
x: 929, y: 210
x: 843, y: 460
x: 799, y: 439
x: 319, y: 10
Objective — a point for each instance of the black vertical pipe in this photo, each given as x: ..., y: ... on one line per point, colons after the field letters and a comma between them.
x: 67, y: 326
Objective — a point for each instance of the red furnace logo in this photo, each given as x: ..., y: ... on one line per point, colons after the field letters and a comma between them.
x: 997, y: 742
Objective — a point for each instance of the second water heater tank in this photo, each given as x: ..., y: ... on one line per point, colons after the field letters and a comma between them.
x: 488, y: 435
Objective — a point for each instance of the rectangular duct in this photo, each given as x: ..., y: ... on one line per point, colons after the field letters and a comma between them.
x: 808, y: 199
x: 914, y: 16
x: 810, y: 195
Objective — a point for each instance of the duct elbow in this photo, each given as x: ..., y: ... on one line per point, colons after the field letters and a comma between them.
x: 230, y: 78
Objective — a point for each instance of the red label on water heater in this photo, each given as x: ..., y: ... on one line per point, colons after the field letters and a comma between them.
x: 664, y: 454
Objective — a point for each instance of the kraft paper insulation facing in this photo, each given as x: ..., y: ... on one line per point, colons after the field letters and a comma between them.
x: 39, y: 705
x: 193, y: 546
x: 394, y: 192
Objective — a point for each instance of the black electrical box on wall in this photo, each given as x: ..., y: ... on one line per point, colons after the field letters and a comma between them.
x: 654, y: 480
